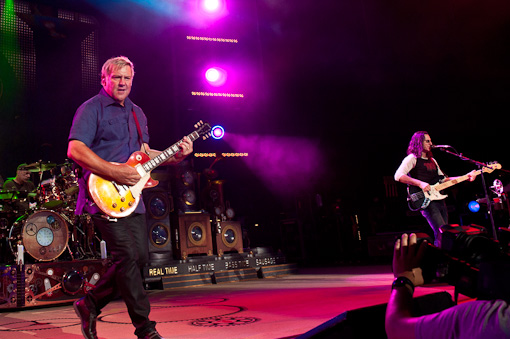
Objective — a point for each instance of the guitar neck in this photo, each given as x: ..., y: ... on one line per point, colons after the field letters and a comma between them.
x: 455, y: 181
x: 167, y: 154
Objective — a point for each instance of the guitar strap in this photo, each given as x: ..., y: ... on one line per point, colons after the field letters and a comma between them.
x: 140, y: 137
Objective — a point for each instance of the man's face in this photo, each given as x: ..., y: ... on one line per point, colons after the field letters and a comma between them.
x: 23, y: 175
x: 427, y: 143
x: 118, y: 83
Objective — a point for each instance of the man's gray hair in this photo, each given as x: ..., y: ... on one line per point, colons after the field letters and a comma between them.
x: 115, y: 63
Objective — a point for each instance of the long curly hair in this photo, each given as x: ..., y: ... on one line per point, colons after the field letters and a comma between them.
x: 416, y: 144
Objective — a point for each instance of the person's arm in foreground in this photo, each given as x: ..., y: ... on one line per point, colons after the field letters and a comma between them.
x: 399, y: 322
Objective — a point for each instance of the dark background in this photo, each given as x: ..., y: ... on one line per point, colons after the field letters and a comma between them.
x: 333, y: 92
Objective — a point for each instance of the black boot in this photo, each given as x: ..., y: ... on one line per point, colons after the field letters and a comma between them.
x: 151, y: 334
x: 87, y: 317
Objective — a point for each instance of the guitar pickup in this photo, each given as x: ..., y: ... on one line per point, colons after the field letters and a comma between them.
x: 415, y: 197
x: 119, y: 189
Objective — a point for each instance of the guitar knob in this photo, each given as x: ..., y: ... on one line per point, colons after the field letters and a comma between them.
x: 123, y: 199
x: 131, y: 203
x: 114, y: 205
x: 122, y: 209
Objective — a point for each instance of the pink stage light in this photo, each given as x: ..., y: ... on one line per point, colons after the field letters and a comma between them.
x: 212, y: 7
x: 217, y: 132
x: 216, y: 76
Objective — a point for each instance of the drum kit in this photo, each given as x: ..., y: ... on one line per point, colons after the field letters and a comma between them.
x: 49, y: 226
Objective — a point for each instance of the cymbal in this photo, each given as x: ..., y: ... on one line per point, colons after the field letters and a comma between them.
x: 14, y: 195
x: 40, y: 167
x: 7, y: 195
x: 66, y: 163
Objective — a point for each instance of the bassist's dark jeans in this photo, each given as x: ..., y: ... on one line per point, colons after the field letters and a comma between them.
x: 126, y: 241
x: 437, y: 215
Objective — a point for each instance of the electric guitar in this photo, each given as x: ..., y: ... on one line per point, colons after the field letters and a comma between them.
x: 118, y: 200
x: 419, y: 199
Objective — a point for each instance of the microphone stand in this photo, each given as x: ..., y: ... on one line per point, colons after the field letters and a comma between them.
x: 480, y: 167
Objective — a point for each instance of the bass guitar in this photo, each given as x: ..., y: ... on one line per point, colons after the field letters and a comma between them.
x: 419, y: 199
x: 119, y: 201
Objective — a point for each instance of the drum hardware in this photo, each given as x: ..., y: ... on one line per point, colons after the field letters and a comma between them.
x: 59, y: 190
x: 69, y: 179
x: 90, y: 240
x: 49, y: 194
x: 4, y: 223
x: 84, y: 242
x: 49, y: 227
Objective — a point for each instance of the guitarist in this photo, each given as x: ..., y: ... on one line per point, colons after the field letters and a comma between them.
x: 108, y: 128
x: 420, y: 169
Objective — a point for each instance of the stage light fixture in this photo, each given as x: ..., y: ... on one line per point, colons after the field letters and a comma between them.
x: 216, y: 76
x: 474, y: 206
x: 211, y: 39
x: 213, y: 6
x: 212, y: 94
x: 217, y: 132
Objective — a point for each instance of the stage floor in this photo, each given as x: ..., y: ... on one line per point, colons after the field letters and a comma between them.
x: 277, y: 307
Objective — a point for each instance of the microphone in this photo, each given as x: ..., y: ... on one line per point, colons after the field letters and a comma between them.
x: 441, y: 146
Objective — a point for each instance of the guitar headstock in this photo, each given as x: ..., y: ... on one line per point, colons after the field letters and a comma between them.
x: 489, y: 168
x: 203, y: 129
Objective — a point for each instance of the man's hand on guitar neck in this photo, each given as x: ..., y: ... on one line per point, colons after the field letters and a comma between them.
x: 426, y: 187
x: 471, y: 176
x: 128, y: 175
x: 186, y: 148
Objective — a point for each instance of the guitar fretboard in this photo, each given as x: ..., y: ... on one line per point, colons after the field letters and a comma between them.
x: 167, y: 154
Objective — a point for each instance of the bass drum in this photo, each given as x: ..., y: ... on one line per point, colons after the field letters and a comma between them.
x: 44, y: 234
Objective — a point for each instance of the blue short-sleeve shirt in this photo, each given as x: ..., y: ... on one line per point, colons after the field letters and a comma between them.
x: 110, y: 131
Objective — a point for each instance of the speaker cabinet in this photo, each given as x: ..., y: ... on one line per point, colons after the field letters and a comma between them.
x: 228, y: 238
x: 212, y: 198
x: 159, y: 204
x: 184, y: 187
x: 191, y: 235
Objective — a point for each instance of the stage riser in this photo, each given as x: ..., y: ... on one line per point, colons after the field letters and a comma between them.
x: 53, y: 283
x: 239, y: 268
x: 277, y: 270
x: 187, y: 280
x: 234, y: 275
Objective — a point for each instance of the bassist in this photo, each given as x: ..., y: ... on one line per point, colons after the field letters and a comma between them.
x: 420, y: 171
